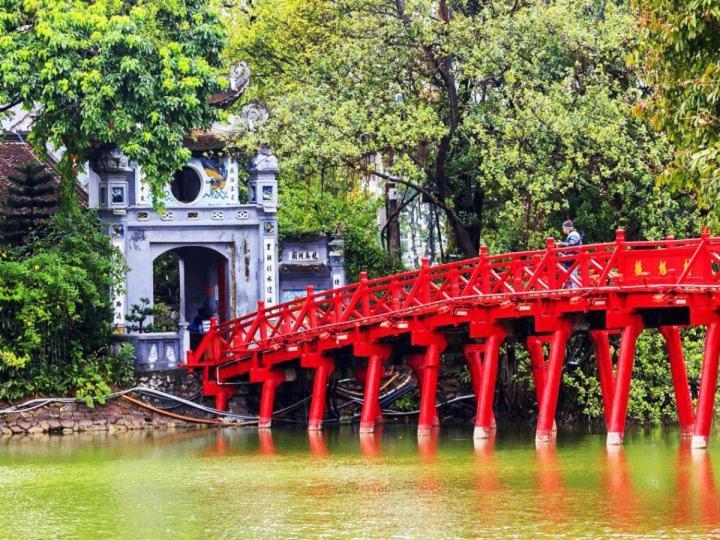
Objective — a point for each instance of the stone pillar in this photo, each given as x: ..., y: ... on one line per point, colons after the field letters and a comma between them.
x: 336, y: 261
x: 113, y: 195
x: 263, y: 190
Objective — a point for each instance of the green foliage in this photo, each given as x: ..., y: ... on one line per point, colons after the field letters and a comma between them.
x: 56, y: 311
x: 652, y: 400
x: 135, y: 74
x: 307, y: 208
x: 509, y: 116
x: 408, y: 402
x: 678, y: 52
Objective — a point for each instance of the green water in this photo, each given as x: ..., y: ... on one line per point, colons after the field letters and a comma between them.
x: 239, y: 484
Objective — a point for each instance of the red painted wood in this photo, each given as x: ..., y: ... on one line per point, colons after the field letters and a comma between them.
x: 619, y: 281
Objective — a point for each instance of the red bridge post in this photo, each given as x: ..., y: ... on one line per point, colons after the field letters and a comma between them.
x: 271, y: 379
x: 323, y: 369
x: 474, y: 353
x: 548, y: 404
x: 708, y: 386
x: 601, y: 342
x: 376, y: 354
x: 626, y: 358
x: 435, y: 344
x: 415, y: 362
x: 537, y: 365
x: 683, y: 400
x: 484, y: 415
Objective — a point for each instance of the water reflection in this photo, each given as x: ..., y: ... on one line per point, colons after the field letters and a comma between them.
x: 490, y: 493
x: 318, y: 443
x: 709, y: 505
x: 266, y: 444
x: 427, y: 445
x: 370, y: 443
x: 623, y: 503
x: 221, y: 446
x: 552, y: 493
x: 389, y: 483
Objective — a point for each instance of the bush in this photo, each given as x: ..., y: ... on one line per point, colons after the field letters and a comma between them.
x: 56, y: 312
x: 652, y: 398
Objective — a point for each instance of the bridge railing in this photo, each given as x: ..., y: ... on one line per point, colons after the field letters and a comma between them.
x: 553, y: 270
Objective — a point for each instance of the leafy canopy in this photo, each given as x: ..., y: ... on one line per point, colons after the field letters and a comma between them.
x: 508, y: 117
x: 678, y: 49
x: 138, y: 74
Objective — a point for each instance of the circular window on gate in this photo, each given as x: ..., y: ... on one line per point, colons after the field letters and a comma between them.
x: 186, y: 185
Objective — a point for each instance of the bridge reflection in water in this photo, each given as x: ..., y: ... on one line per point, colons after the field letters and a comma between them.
x: 652, y: 483
x: 540, y: 297
x: 244, y: 483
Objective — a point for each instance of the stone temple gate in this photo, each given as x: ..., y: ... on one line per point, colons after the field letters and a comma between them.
x: 222, y: 231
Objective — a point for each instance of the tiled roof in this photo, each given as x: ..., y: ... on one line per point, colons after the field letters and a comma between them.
x: 14, y: 153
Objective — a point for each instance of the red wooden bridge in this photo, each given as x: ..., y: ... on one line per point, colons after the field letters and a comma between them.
x: 472, y: 306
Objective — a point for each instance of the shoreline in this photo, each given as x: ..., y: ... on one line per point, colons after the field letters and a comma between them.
x: 68, y: 418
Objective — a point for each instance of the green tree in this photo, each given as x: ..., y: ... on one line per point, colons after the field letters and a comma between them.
x: 137, y: 74
x: 30, y: 201
x: 678, y: 51
x: 508, y: 117
x: 306, y: 208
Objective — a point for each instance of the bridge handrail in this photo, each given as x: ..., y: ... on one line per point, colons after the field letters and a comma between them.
x: 549, y: 270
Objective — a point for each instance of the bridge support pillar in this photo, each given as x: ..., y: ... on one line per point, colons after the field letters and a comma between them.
x: 538, y: 368
x: 551, y: 388
x: 474, y: 353
x: 484, y: 415
x: 683, y: 400
x: 221, y: 393
x: 270, y: 382
x: 415, y: 362
x: 430, y: 364
x: 537, y: 365
x: 371, y: 412
x: 323, y: 369
x: 601, y: 341
x: 708, y: 386
x: 626, y: 358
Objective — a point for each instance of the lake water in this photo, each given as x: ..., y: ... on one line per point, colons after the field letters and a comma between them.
x: 246, y: 484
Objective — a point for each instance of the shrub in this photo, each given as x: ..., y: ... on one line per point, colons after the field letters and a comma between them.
x: 56, y: 312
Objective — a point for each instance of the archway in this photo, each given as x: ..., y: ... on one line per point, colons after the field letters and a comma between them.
x: 166, y: 292
x: 193, y: 282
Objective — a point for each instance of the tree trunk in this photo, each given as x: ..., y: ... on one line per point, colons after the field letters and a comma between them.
x: 463, y: 239
x: 393, y: 225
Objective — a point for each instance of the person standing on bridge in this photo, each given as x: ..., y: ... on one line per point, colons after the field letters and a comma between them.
x: 573, y: 239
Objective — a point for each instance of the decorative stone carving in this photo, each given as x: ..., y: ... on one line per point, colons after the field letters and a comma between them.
x: 112, y: 161
x: 239, y: 76
x: 254, y: 114
x: 170, y: 355
x: 153, y: 355
x: 264, y: 161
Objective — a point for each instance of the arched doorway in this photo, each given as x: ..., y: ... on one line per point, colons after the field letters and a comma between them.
x: 166, y: 292
x: 193, y: 282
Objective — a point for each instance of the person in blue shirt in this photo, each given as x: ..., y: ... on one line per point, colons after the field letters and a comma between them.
x: 573, y: 239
